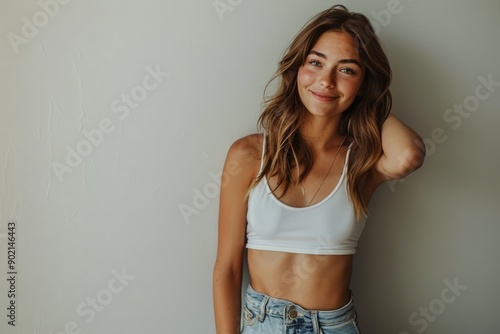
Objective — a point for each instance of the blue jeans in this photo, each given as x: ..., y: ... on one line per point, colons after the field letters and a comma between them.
x: 267, y: 315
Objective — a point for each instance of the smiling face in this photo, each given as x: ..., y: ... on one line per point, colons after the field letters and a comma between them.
x: 331, y: 75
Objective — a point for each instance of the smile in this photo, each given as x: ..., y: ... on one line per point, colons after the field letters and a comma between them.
x: 322, y: 97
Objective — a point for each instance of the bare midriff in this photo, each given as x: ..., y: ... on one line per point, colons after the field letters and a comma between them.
x: 314, y: 282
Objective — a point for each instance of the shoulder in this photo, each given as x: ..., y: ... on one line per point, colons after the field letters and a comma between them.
x: 248, y: 148
x: 245, y: 155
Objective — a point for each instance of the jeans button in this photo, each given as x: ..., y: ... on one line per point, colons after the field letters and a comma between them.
x: 293, y: 313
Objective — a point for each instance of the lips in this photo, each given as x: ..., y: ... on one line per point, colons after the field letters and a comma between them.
x: 323, y: 97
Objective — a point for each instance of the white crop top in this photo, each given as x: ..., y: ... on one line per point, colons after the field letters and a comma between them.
x: 329, y: 227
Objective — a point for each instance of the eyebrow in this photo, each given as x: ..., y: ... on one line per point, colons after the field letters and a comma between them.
x: 341, y: 61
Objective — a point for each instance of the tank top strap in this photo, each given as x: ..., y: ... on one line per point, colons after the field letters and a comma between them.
x: 263, y: 153
x: 347, y: 155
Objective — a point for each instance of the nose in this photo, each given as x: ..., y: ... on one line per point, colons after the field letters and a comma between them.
x: 327, y: 80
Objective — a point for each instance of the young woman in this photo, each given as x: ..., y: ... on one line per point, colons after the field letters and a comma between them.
x: 296, y: 196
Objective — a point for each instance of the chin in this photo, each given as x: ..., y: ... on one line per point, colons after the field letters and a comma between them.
x: 320, y: 112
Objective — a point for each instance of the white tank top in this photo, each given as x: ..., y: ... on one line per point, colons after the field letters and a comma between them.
x: 329, y: 227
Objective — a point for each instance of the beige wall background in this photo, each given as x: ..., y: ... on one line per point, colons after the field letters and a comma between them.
x: 116, y: 119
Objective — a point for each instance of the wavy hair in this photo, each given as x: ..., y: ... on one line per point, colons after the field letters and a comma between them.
x: 361, y: 122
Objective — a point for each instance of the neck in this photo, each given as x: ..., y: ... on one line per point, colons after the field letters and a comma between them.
x: 321, y: 133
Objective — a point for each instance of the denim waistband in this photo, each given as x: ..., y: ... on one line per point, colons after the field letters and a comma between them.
x: 275, y: 307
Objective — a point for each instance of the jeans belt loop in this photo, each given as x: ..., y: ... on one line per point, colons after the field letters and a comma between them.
x: 262, y: 314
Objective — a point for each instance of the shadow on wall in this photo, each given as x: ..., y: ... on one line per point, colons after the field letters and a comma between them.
x: 417, y: 256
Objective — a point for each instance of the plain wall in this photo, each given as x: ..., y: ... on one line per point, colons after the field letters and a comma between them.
x: 110, y: 172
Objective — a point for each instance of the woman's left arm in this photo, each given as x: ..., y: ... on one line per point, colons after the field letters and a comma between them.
x: 403, y: 151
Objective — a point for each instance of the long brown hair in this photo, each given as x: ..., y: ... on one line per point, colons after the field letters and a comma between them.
x: 361, y: 122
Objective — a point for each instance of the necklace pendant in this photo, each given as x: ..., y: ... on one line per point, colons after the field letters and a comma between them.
x: 302, y: 190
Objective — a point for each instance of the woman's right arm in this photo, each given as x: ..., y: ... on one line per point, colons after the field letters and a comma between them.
x: 241, y: 166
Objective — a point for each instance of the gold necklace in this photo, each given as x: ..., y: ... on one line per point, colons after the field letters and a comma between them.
x: 302, y: 189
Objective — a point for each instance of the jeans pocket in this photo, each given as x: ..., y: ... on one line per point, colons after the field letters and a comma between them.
x: 250, y: 316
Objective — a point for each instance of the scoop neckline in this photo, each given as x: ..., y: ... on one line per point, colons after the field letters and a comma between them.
x: 335, y: 189
x: 301, y: 208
